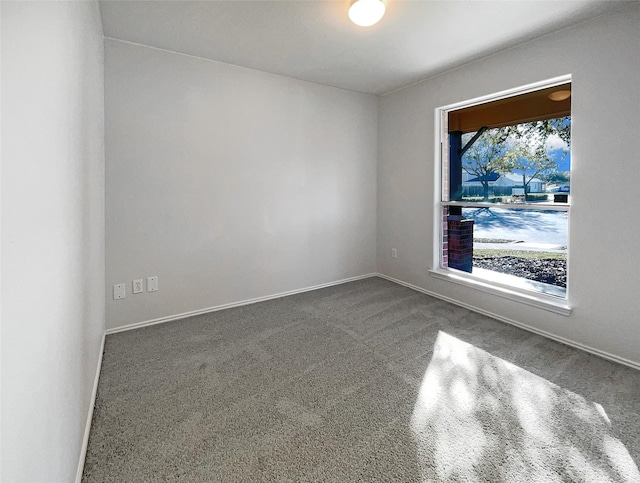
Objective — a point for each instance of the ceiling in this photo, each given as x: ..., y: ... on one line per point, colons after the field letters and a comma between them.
x: 314, y: 40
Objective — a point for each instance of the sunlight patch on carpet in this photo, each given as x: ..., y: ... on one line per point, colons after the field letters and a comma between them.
x: 480, y: 418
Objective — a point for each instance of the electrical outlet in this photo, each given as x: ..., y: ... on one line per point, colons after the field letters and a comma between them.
x: 152, y: 284
x: 119, y: 291
x: 394, y: 253
x: 138, y: 286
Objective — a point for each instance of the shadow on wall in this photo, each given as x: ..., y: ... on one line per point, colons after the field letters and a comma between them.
x: 480, y: 418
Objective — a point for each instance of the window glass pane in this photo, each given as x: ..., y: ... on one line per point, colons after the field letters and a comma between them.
x: 525, y: 243
x: 493, y: 157
x: 528, y: 162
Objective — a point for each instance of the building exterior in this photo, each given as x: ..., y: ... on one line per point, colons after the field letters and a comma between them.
x: 499, y: 184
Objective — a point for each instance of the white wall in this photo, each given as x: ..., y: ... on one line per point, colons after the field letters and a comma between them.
x: 229, y: 183
x: 604, y: 265
x: 52, y: 233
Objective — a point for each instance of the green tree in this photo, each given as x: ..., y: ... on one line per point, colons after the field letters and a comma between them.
x: 529, y: 157
x: 558, y: 177
x: 541, y: 131
x: 527, y: 160
x: 485, y: 157
x: 519, y: 149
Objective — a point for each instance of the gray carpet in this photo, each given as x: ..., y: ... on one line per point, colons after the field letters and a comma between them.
x: 365, y: 381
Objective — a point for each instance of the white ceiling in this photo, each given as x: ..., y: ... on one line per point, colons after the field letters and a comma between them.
x: 315, y: 41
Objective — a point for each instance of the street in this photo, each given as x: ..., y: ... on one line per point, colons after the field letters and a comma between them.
x: 515, y: 229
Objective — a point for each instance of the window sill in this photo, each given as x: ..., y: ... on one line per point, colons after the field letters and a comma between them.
x: 503, y: 286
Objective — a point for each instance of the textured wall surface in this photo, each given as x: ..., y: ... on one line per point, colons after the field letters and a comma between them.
x: 52, y: 233
x: 604, y: 269
x: 230, y: 184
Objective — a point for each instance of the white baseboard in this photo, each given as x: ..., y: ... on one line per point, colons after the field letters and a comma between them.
x: 577, y: 345
x: 87, y: 428
x: 169, y: 318
x: 548, y: 335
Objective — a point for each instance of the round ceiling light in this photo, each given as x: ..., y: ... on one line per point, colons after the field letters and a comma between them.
x: 560, y: 95
x: 366, y: 12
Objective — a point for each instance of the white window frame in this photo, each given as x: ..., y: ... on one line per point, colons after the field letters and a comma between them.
x: 499, y: 284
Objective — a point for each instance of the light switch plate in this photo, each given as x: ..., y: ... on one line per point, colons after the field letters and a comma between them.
x: 152, y: 284
x: 119, y: 291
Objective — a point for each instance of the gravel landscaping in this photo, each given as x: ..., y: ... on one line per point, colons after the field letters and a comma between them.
x: 546, y: 270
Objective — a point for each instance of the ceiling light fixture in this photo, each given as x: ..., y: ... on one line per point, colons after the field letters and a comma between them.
x: 366, y: 12
x: 560, y: 95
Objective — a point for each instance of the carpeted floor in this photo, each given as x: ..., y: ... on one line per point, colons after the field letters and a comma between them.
x: 365, y: 381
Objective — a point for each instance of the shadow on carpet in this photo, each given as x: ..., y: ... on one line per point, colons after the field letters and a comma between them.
x: 480, y: 418
x: 367, y: 381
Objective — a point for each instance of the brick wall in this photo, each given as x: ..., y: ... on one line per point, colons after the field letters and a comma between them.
x: 460, y: 243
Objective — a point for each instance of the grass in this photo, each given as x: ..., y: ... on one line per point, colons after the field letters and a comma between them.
x: 492, y: 240
x: 532, y: 255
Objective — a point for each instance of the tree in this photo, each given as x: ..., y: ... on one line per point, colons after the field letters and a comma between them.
x: 530, y: 156
x: 485, y: 157
x: 528, y: 161
x: 541, y: 131
x: 558, y: 177
x: 520, y: 149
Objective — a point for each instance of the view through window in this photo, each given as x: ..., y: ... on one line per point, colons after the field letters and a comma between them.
x: 506, y: 189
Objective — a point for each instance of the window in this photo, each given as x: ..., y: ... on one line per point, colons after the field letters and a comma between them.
x: 505, y: 186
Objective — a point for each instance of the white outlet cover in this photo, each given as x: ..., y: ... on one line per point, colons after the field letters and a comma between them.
x: 138, y: 286
x: 152, y: 284
x: 119, y: 291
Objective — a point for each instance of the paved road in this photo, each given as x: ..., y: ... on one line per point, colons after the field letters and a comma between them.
x: 527, y: 229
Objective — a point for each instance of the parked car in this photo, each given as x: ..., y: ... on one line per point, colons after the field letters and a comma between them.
x: 562, y: 195
x: 562, y: 188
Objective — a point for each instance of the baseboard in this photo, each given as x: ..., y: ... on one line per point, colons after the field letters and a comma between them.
x: 169, y: 318
x: 87, y: 428
x: 577, y: 345
x: 506, y: 320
